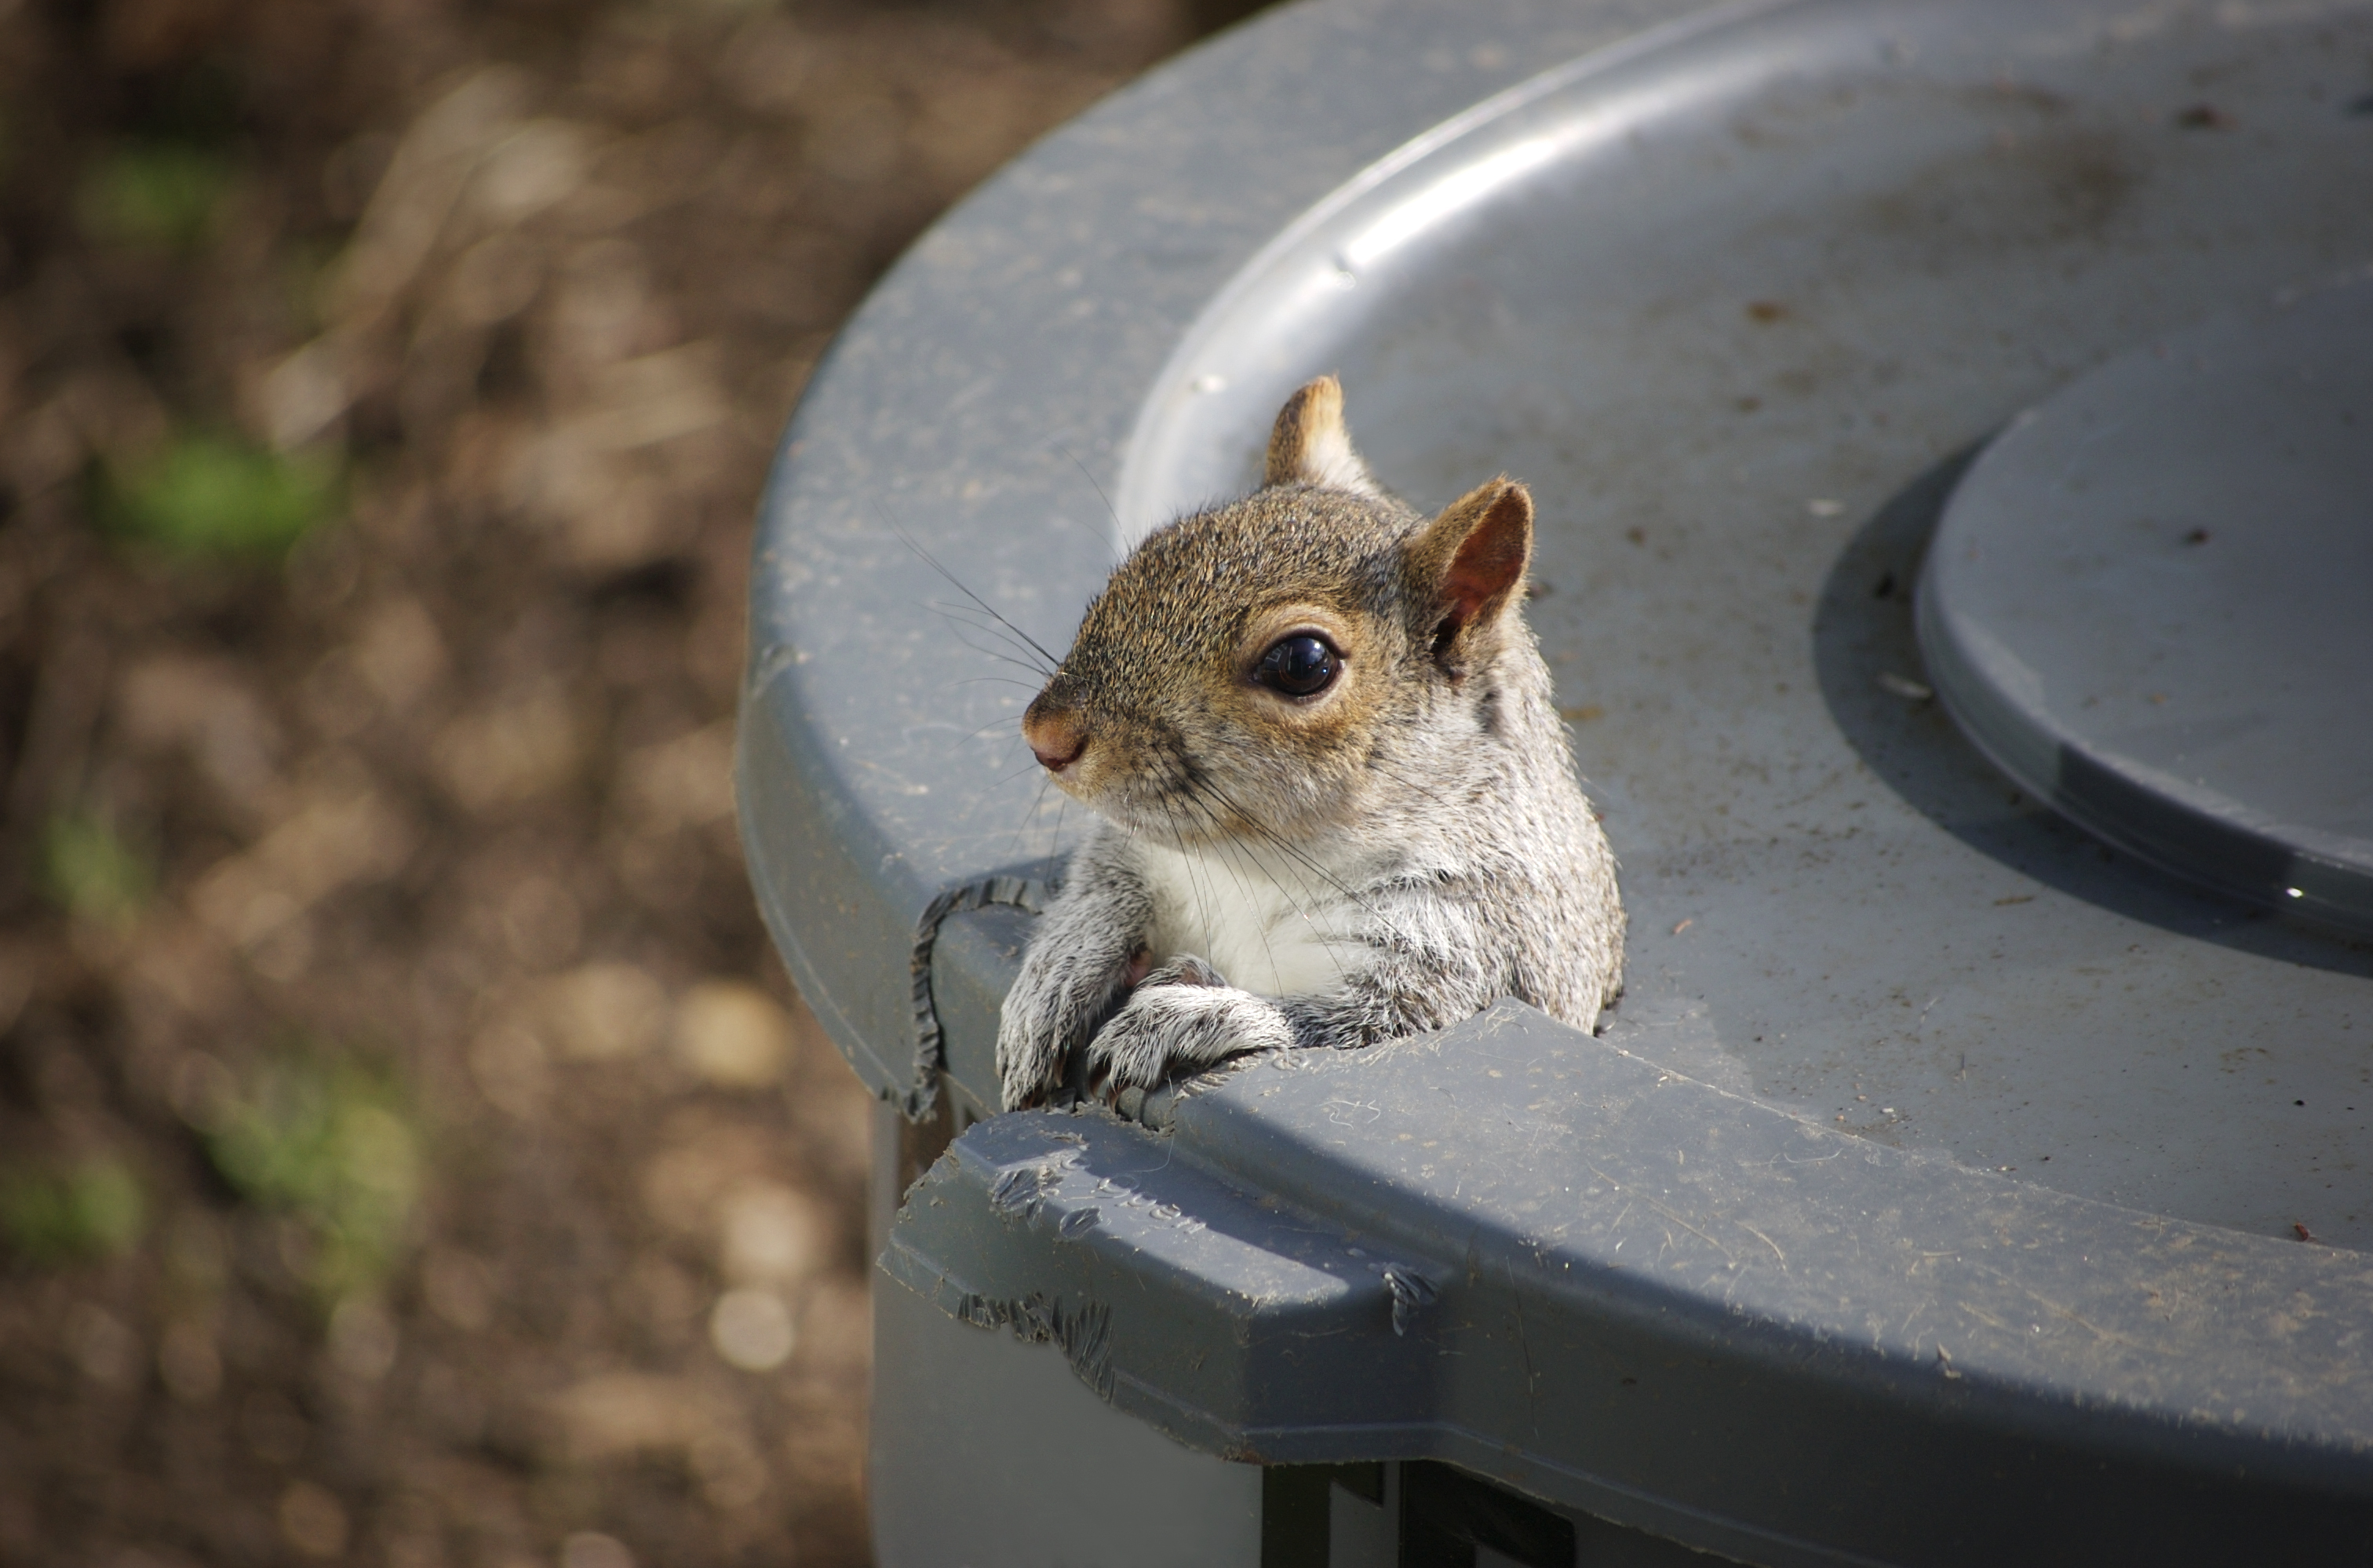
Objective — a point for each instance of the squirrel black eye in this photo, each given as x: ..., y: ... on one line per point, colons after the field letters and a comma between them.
x: 1301, y: 665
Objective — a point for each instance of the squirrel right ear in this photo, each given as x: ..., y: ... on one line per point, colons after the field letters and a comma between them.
x: 1473, y: 558
x: 1311, y: 444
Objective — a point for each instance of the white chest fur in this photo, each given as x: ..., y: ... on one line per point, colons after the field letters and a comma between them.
x: 1275, y: 929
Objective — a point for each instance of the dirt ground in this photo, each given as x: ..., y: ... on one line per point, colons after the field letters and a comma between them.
x: 410, y: 1150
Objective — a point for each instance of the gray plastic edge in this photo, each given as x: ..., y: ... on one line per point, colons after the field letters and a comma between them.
x: 1080, y: 1229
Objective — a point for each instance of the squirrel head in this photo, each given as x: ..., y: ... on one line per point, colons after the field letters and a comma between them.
x: 1274, y: 667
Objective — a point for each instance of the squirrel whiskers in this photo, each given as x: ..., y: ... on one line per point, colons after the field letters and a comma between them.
x: 1334, y: 802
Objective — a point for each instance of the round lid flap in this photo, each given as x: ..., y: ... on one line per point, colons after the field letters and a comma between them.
x: 2151, y: 602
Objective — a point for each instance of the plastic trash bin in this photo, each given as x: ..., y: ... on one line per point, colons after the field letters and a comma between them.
x: 1954, y: 568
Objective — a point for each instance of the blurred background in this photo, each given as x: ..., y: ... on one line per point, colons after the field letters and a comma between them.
x: 411, y: 1151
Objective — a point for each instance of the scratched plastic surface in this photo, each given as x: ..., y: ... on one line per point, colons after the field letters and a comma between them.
x: 1510, y: 1246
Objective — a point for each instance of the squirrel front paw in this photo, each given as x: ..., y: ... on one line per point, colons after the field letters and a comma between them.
x: 1182, y: 1015
x: 1051, y: 1012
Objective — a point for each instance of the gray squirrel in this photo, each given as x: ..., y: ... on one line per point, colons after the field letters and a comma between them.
x: 1334, y: 802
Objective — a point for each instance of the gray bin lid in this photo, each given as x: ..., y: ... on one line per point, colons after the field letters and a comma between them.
x: 1930, y: 1196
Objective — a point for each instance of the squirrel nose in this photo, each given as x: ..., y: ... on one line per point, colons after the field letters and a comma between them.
x: 1057, y: 739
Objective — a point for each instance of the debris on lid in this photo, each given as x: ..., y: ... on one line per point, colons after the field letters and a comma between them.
x: 1904, y: 686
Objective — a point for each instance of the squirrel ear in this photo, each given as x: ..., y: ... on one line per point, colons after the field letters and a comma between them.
x: 1310, y: 444
x: 1474, y: 556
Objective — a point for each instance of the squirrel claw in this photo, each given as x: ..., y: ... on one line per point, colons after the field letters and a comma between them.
x: 1184, y: 969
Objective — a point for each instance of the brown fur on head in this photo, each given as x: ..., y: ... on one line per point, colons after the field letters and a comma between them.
x: 1161, y: 716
